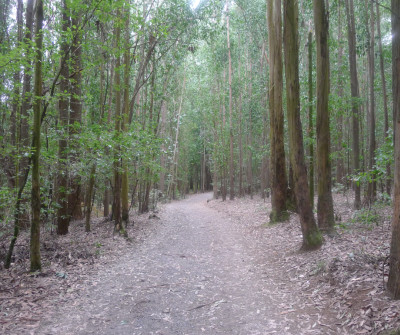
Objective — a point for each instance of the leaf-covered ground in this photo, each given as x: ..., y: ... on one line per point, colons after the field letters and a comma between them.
x: 205, y: 267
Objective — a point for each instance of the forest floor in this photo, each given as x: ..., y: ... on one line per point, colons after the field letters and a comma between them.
x: 202, y: 266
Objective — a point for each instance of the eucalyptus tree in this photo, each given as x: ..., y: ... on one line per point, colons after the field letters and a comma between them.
x: 394, y: 274
x: 311, y: 236
x: 370, y: 18
x: 384, y: 92
x: 351, y: 38
x: 278, y: 165
x: 35, y: 262
x: 231, y: 172
x: 63, y: 106
x: 326, y: 218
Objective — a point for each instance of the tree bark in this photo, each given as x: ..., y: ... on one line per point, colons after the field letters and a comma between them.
x: 310, y: 119
x: 125, y: 180
x: 394, y: 274
x: 231, y: 171
x: 75, y: 119
x: 311, y: 236
x: 250, y: 136
x: 278, y: 164
x: 384, y: 93
x: 63, y: 106
x: 118, y: 115
x: 372, y: 140
x: 326, y: 220
x: 106, y: 200
x: 340, y: 92
x: 35, y: 262
x: 351, y: 37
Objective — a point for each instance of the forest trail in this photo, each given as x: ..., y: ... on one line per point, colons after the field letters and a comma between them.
x: 200, y: 272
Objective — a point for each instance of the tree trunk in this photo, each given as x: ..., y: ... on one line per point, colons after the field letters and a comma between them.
x: 163, y: 147
x: 326, y: 220
x: 231, y: 172
x: 89, y: 195
x: 37, y: 106
x: 384, y: 93
x: 351, y: 37
x: 75, y: 119
x: 24, y: 135
x: 250, y: 137
x: 372, y: 140
x: 125, y: 180
x: 340, y: 92
x: 278, y: 164
x: 117, y: 149
x: 63, y: 107
x: 106, y: 201
x: 173, y: 171
x: 310, y: 119
x: 240, y: 129
x: 394, y: 274
x: 311, y: 236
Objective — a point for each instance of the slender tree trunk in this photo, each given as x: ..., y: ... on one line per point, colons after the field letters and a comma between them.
x: 118, y: 116
x: 125, y: 183
x: 106, y: 200
x: 278, y: 164
x: 311, y: 236
x: 37, y: 106
x: 75, y: 118
x: 215, y: 160
x: 372, y: 140
x: 15, y: 117
x: 89, y: 195
x: 264, y: 178
x: 240, y: 128
x: 326, y: 220
x: 24, y: 134
x: 63, y: 106
x: 223, y: 132
x: 310, y: 118
x: 231, y: 172
x: 250, y: 136
x: 351, y: 37
x: 15, y: 109
x: 384, y: 93
x: 26, y: 90
x: 173, y: 172
x: 163, y: 148
x: 340, y: 93
x: 394, y: 274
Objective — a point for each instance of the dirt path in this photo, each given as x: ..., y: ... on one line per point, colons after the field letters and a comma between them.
x: 200, y: 272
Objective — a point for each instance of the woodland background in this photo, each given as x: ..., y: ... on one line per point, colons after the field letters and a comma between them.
x: 113, y: 106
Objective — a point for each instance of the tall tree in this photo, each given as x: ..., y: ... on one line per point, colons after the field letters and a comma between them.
x: 63, y: 107
x: 231, y: 171
x: 23, y: 168
x: 326, y: 218
x: 124, y: 119
x: 384, y: 93
x: 371, y: 70
x: 311, y: 236
x: 118, y: 116
x: 37, y: 107
x: 394, y: 274
x: 310, y: 116
x: 75, y: 117
x: 278, y: 164
x: 351, y: 38
x: 340, y: 174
